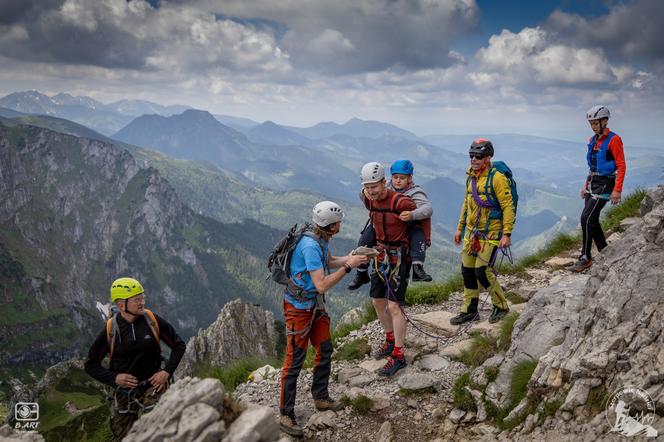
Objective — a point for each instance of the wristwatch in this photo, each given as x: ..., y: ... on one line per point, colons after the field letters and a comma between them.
x: 347, y: 268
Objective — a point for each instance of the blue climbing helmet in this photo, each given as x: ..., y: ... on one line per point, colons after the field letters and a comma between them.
x: 403, y: 167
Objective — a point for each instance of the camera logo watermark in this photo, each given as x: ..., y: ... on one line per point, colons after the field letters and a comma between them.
x: 630, y: 411
x: 26, y: 415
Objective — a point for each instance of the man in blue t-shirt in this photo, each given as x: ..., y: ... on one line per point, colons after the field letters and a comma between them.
x: 304, y: 312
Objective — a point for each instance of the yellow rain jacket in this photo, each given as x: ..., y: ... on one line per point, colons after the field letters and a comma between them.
x: 470, y: 208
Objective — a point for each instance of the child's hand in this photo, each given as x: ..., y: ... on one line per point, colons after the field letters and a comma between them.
x: 406, y: 215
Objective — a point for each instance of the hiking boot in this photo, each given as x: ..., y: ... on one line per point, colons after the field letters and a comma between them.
x: 386, y: 350
x: 289, y: 425
x: 328, y: 404
x: 497, y: 314
x: 393, y: 365
x: 361, y: 278
x: 462, y: 318
x: 582, y: 264
x: 419, y: 274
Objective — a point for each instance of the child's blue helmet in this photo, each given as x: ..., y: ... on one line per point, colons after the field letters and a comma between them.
x: 403, y: 167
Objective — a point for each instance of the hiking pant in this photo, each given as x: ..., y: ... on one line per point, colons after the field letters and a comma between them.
x: 476, y: 271
x: 590, y: 224
x: 129, y: 405
x: 416, y: 239
x: 296, y: 353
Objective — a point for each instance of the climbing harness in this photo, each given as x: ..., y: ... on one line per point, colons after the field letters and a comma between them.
x: 134, y: 406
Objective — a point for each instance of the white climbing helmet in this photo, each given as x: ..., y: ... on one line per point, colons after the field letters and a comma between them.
x: 326, y: 213
x: 372, y: 173
x: 598, y: 112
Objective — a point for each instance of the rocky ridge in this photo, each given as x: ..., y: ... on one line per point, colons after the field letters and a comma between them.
x: 240, y: 331
x: 113, y: 217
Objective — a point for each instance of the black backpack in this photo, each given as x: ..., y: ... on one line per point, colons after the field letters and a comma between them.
x: 278, y: 263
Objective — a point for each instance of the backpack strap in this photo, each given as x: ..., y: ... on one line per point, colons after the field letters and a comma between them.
x: 111, y: 333
x: 112, y: 330
x: 154, y: 325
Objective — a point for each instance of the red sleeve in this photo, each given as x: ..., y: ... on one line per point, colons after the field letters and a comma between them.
x: 405, y: 203
x: 616, y: 148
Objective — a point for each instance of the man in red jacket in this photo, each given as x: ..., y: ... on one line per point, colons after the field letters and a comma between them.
x: 606, y: 161
x: 389, y: 280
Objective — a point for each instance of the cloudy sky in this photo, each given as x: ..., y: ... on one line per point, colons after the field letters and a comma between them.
x: 431, y: 66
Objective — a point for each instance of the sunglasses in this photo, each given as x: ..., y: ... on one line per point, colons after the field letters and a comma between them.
x: 477, y: 156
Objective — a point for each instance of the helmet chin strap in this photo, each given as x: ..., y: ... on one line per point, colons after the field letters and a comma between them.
x: 127, y: 308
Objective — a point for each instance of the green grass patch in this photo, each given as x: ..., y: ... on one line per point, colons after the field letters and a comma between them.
x: 505, y: 331
x: 485, y: 345
x: 518, y: 390
x: 52, y: 411
x: 433, y: 293
x: 597, y: 399
x: 491, y: 373
x: 361, y: 404
x: 234, y: 373
x: 461, y: 398
x: 514, y: 298
x: 355, y: 349
x: 550, y: 408
x: 519, y: 385
x: 482, y: 347
x: 629, y: 207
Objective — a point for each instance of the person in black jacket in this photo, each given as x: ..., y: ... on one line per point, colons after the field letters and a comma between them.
x: 132, y: 339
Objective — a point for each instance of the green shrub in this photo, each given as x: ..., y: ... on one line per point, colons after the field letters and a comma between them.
x: 461, y: 398
x: 433, y: 293
x: 355, y: 349
x: 361, y: 404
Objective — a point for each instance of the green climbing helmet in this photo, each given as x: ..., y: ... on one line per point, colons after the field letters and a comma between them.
x: 125, y: 288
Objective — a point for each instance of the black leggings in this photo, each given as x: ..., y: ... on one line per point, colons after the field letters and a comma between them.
x: 590, y: 224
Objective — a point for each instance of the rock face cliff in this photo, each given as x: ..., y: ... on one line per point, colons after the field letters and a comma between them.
x: 77, y: 213
x: 590, y: 336
x: 240, y: 331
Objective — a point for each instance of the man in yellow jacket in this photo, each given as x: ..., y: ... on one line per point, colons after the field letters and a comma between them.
x: 484, y: 228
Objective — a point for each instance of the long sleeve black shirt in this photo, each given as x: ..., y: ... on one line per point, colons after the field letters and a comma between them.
x: 135, y: 352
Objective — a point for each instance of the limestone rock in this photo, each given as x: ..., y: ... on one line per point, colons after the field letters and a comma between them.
x: 265, y: 372
x: 456, y: 415
x: 254, y: 425
x: 433, y: 362
x: 241, y: 330
x: 186, y: 410
x: 321, y: 421
x: 415, y: 381
x: 352, y: 316
x: 385, y: 433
